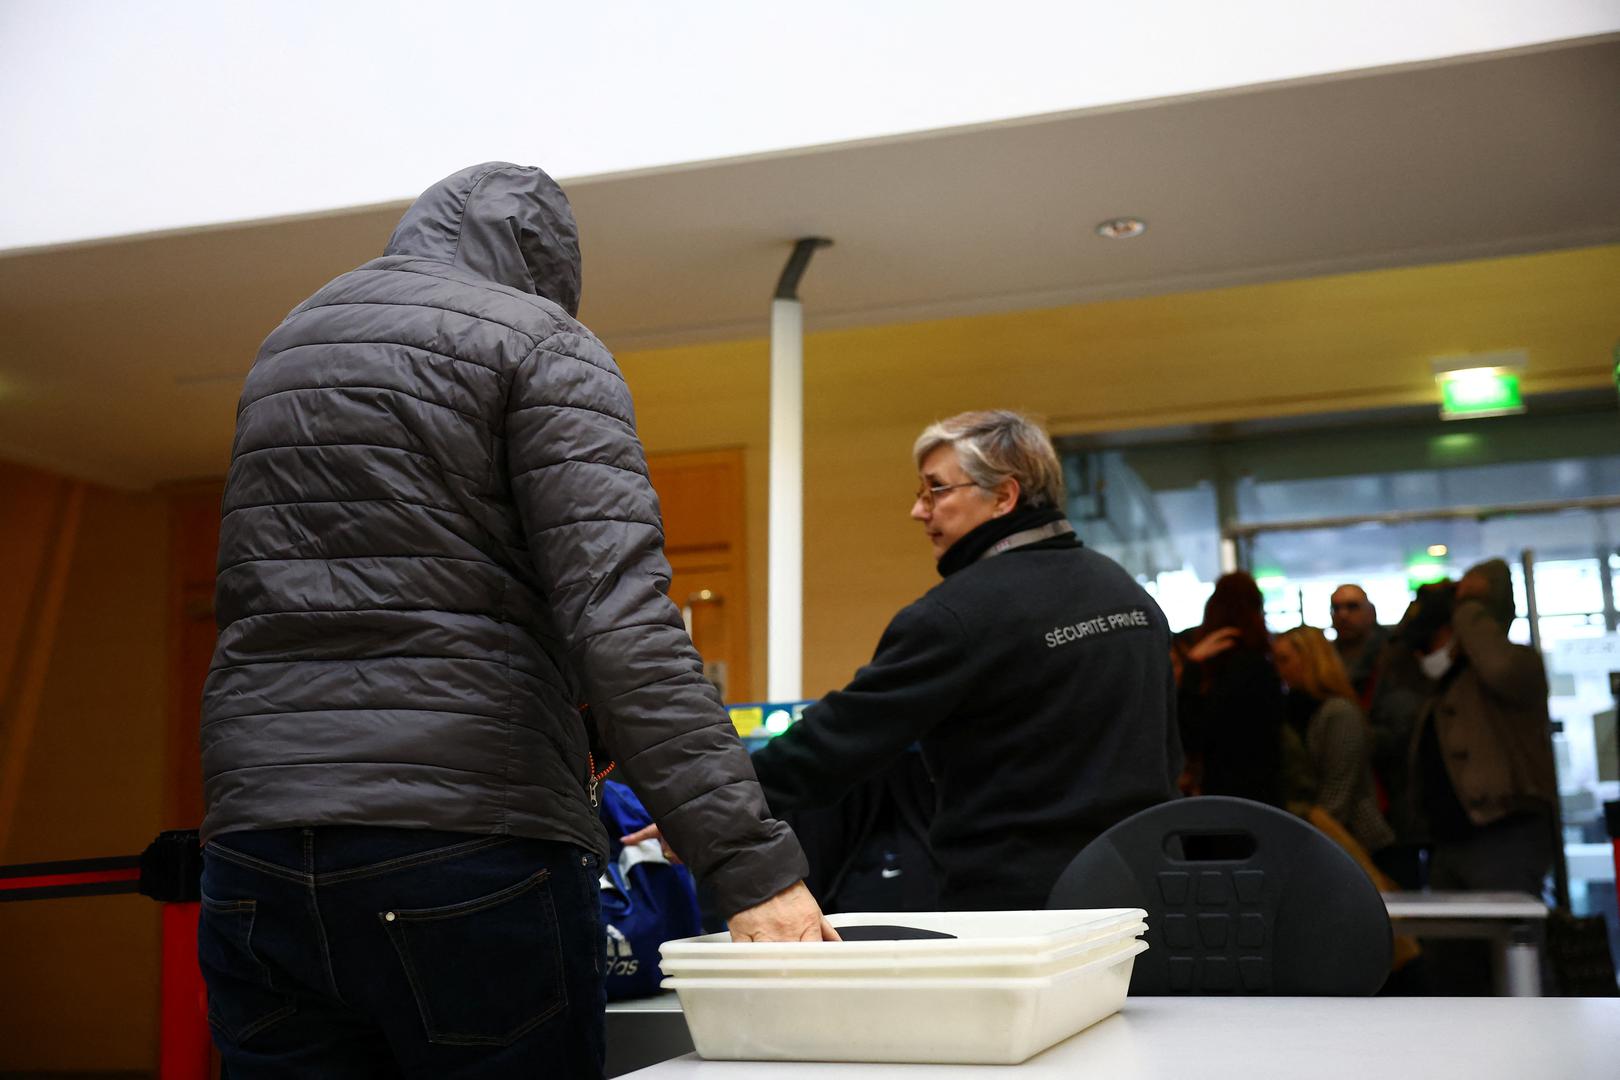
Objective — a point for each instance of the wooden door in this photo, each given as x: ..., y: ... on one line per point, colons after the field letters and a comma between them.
x: 701, y: 496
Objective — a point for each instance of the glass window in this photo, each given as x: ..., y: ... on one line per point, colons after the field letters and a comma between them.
x: 1289, y: 503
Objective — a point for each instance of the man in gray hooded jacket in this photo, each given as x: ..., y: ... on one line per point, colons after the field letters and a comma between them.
x: 438, y: 545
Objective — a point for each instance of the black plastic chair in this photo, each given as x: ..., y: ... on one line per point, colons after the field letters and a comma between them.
x: 1242, y: 898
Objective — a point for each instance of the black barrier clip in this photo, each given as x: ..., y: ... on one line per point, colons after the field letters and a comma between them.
x: 171, y: 867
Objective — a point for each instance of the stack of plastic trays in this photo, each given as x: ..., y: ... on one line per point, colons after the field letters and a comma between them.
x: 1007, y: 985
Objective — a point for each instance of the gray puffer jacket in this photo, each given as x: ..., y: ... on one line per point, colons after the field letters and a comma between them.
x: 439, y: 541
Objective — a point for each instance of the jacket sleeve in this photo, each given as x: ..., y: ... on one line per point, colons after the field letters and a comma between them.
x: 915, y: 678
x: 1338, y: 750
x: 1511, y: 672
x: 590, y: 517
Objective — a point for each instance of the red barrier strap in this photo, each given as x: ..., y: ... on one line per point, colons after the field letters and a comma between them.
x: 183, y: 1051
x: 45, y: 881
x: 75, y: 877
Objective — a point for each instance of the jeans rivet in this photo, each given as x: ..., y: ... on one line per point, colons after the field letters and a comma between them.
x: 389, y: 917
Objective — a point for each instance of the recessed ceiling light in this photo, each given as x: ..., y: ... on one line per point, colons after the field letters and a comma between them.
x: 1122, y: 228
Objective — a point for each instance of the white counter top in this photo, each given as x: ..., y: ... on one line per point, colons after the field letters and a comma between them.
x: 1259, y: 1038
x: 666, y: 1001
x: 1463, y: 905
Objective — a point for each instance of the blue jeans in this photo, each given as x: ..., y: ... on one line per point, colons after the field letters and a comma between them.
x: 368, y: 952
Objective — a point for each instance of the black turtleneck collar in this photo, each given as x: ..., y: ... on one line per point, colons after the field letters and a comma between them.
x: 974, y: 543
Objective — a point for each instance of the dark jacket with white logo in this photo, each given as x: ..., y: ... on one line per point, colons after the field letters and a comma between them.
x: 439, y: 541
x: 1038, y: 682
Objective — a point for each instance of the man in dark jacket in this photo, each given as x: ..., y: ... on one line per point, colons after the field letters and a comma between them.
x: 1036, y: 678
x: 439, y: 543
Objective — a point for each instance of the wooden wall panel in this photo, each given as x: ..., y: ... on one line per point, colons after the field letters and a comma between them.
x: 78, y: 978
x: 50, y: 509
x: 29, y: 501
x: 193, y: 554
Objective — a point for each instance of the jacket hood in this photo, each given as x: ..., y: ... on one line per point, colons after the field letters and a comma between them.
x: 509, y: 223
x: 1499, y: 601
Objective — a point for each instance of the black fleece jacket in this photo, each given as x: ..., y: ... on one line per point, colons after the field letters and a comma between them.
x: 1038, y: 683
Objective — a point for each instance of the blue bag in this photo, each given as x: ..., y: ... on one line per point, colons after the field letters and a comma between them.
x: 646, y: 900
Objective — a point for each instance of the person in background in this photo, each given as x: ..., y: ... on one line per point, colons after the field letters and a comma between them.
x: 1035, y: 677
x: 1398, y: 697
x: 1322, y: 712
x: 1484, y: 770
x: 1358, y: 639
x: 438, y: 540
x: 1231, y: 700
x: 1388, y: 687
x: 1482, y: 761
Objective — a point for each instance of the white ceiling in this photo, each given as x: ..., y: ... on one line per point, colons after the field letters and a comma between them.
x: 1434, y: 163
x: 123, y: 118
x: 121, y: 360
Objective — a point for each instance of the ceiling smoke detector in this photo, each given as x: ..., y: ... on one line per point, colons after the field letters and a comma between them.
x: 1122, y: 228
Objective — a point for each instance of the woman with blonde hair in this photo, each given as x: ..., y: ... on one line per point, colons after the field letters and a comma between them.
x: 1321, y: 710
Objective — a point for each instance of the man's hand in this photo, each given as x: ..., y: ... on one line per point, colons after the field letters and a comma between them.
x: 651, y: 832
x: 790, y: 915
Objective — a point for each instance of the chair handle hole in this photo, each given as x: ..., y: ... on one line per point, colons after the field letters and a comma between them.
x: 1209, y: 846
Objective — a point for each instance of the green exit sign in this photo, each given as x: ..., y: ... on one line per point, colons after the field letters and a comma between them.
x: 1425, y: 571
x: 1479, y: 392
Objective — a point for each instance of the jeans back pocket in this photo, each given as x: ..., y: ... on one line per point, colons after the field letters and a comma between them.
x: 242, y: 997
x: 484, y: 972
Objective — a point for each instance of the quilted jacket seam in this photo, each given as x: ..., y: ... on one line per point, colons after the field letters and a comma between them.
x: 213, y: 720
x: 326, y: 305
x: 420, y: 555
x: 355, y: 445
x: 579, y: 461
x: 329, y: 343
x: 363, y: 386
x: 375, y: 610
x: 672, y: 811
x: 530, y: 300
x: 597, y: 521
x: 348, y: 500
x: 626, y: 421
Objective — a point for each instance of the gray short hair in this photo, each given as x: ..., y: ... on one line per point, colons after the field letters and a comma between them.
x: 995, y: 444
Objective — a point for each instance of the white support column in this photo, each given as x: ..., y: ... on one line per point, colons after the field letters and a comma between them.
x: 785, y: 623
x: 784, y: 654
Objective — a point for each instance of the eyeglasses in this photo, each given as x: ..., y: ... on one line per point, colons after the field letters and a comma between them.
x: 929, y: 494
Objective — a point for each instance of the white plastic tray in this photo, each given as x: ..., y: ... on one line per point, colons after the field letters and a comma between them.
x: 1000, y: 934
x: 741, y: 963
x: 981, y: 1021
